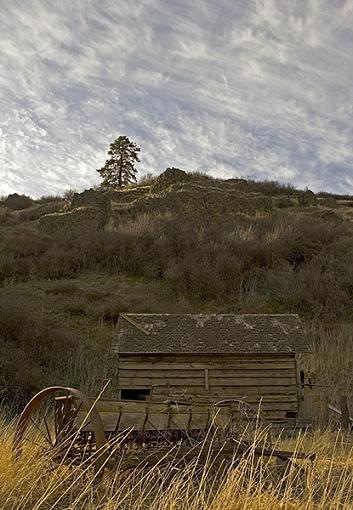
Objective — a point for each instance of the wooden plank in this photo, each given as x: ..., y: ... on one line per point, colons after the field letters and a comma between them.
x: 157, y: 407
x: 220, y: 393
x: 109, y: 421
x: 178, y: 421
x: 252, y: 381
x: 186, y: 374
x: 136, y: 324
x: 251, y: 398
x: 201, y: 358
x: 248, y: 380
x: 226, y: 391
x: 140, y: 382
x: 162, y: 421
x: 235, y: 364
x: 136, y: 382
x: 152, y: 407
x: 194, y: 373
x: 207, y: 380
x: 217, y: 392
x: 268, y: 373
x: 140, y: 406
x: 121, y: 406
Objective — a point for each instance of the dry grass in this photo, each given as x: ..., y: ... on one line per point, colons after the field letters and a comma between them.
x: 251, y: 483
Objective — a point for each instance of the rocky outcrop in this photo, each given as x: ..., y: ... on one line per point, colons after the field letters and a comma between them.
x: 189, y: 198
x: 91, y: 198
x: 169, y: 177
x: 88, y: 211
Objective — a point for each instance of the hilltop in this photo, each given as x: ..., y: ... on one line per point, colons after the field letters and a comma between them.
x: 175, y: 243
x: 175, y: 192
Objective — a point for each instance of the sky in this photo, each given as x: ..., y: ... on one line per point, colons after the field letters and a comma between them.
x: 232, y: 88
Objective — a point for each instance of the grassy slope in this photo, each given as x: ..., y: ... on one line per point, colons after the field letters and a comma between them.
x: 77, y: 287
x: 84, y: 311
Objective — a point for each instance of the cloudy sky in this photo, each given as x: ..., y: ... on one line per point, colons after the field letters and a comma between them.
x: 260, y: 88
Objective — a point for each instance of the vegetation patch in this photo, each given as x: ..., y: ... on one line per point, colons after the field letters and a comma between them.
x: 82, y: 219
x: 17, y: 202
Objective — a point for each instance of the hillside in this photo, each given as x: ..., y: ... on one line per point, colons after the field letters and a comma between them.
x: 177, y: 243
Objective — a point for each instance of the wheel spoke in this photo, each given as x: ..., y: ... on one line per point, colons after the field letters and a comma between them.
x: 48, y: 431
x: 55, y: 419
x: 59, y: 413
x: 40, y: 431
x: 56, y: 411
x: 74, y: 415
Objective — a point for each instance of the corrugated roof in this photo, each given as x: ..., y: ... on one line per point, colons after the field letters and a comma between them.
x: 209, y: 333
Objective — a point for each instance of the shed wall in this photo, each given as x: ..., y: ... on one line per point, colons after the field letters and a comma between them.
x: 271, y: 379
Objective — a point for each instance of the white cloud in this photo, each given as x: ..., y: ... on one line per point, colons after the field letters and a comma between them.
x: 257, y: 88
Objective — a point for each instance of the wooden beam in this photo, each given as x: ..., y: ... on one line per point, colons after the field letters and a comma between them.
x: 136, y: 324
x: 207, y: 382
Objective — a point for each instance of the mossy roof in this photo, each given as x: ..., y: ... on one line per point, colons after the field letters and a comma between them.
x: 209, y: 333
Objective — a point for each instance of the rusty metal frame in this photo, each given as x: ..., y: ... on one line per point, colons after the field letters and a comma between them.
x: 34, y: 403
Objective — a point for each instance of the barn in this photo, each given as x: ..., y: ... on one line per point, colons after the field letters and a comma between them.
x: 211, y: 357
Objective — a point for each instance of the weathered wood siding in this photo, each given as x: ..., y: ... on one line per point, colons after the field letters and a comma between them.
x: 271, y: 379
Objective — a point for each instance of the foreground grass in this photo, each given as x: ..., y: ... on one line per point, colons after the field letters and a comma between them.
x: 34, y: 482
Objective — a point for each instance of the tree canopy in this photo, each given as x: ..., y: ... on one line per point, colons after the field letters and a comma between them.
x: 119, y: 169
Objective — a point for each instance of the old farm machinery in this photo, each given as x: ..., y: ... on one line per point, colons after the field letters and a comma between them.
x: 71, y: 428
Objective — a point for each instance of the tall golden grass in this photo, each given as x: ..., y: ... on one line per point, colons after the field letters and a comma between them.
x: 250, y: 483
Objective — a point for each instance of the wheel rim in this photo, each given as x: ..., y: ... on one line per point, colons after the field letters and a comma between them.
x: 57, y: 439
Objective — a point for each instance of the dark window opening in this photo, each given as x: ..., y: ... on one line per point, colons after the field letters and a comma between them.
x: 291, y: 414
x: 135, y: 394
x: 302, y: 378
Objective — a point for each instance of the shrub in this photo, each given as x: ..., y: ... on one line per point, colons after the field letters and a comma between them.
x: 36, y: 351
x: 264, y: 187
x: 32, y: 350
x: 4, y: 215
x: 306, y: 198
x: 49, y: 199
x: 17, y: 202
x: 146, y: 179
x: 221, y: 258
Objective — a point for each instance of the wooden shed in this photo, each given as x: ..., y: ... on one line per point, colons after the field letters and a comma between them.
x: 211, y: 357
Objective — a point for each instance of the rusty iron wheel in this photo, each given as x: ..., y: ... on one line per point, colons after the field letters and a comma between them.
x: 47, y: 422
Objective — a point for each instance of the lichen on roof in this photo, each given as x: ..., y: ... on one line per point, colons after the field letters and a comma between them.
x: 209, y: 333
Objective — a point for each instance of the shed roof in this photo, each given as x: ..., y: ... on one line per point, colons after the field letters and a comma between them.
x: 209, y: 333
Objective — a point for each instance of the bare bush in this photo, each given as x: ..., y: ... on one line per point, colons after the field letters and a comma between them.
x: 304, y: 264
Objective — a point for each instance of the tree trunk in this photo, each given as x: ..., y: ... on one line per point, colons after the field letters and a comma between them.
x: 120, y: 183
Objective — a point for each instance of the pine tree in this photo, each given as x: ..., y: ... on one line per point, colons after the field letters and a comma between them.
x: 119, y: 170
